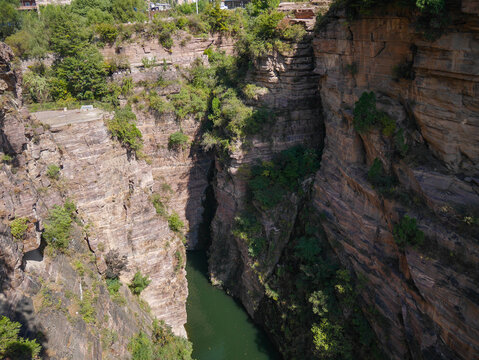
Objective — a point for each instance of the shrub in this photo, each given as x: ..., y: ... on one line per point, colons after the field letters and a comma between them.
x: 81, y: 75
x: 13, y: 346
x: 141, y: 347
x: 366, y: 116
x: 330, y: 342
x: 190, y: 100
x: 160, y: 105
x: 115, y: 264
x: 248, y: 229
x: 123, y: 127
x: 308, y: 249
x: 53, y: 171
x: 163, y: 29
x: 58, y: 225
x: 271, y: 180
x: 18, y: 227
x: 163, y: 344
x: 36, y: 87
x: 159, y: 204
x: 179, y: 261
x: 178, y: 140
x: 7, y: 158
x: 378, y: 178
x: 87, y: 308
x: 107, y: 32
x: 139, y: 283
x: 407, y: 233
x: 113, y: 285
x: 175, y: 223
x: 365, y: 113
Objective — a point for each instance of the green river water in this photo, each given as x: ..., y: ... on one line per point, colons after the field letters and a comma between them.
x: 218, y: 326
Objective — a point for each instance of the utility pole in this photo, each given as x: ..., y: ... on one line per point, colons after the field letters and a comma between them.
x: 196, y: 7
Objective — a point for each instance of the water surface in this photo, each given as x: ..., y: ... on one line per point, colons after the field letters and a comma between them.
x: 218, y: 326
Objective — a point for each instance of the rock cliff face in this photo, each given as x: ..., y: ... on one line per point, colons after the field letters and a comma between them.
x: 184, y: 51
x: 185, y: 170
x: 424, y: 298
x: 290, y: 89
x: 426, y: 294
x: 64, y: 296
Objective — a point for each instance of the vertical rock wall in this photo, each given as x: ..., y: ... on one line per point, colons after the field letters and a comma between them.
x: 422, y: 301
x: 426, y: 295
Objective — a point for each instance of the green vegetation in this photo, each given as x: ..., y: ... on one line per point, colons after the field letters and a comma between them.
x: 175, y: 223
x: 271, y: 180
x: 122, y: 126
x: 378, y: 178
x: 163, y: 344
x: 329, y: 341
x: 87, y: 307
x: 406, y: 232
x: 248, y: 229
x: 7, y: 158
x: 366, y: 116
x: 58, y: 225
x: 307, y: 248
x: 19, y: 227
x: 180, y: 261
x: 13, y: 346
x: 160, y: 205
x: 113, y: 285
x: 139, y: 283
x: 178, y: 140
x: 311, y: 293
x: 53, y: 172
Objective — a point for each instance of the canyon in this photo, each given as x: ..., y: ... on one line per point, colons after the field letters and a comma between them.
x: 420, y: 302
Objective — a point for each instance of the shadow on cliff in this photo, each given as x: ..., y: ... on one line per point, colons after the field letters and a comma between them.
x: 201, y: 203
x: 23, y: 312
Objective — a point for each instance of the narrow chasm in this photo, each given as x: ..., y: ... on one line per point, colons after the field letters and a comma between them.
x: 218, y: 325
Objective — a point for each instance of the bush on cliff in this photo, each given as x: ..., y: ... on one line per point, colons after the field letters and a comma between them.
x: 18, y: 227
x: 139, y: 283
x: 271, y: 180
x: 248, y: 229
x: 13, y: 346
x: 378, y: 178
x: 175, y: 223
x: 122, y: 126
x: 406, y: 232
x: 163, y: 344
x: 177, y: 140
x: 58, y: 225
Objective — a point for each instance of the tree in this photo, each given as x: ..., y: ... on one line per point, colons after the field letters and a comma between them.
x: 68, y: 31
x: 128, y: 10
x: 9, y: 18
x: 13, y: 346
x: 139, y: 283
x: 84, y: 74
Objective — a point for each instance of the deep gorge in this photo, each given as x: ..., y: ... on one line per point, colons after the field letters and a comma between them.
x: 346, y: 223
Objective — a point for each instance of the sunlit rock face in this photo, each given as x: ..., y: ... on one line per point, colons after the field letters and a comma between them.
x: 426, y: 295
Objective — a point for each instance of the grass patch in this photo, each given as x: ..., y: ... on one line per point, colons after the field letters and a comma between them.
x: 19, y: 227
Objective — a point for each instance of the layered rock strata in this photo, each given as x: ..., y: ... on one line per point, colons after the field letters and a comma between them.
x: 290, y: 91
x: 111, y: 189
x: 423, y: 297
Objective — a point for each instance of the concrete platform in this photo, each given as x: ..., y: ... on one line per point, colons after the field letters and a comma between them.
x: 58, y: 118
